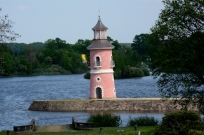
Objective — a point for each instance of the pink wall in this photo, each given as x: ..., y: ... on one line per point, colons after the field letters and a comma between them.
x: 104, y: 78
x: 106, y: 83
x: 105, y: 56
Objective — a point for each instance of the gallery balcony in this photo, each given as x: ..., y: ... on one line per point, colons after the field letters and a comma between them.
x: 112, y: 63
x: 97, y: 64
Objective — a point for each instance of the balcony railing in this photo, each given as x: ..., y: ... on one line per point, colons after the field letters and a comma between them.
x: 112, y: 63
x: 97, y: 64
x: 88, y: 64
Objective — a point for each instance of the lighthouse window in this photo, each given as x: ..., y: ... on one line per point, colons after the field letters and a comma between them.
x: 102, y: 35
x: 98, y: 61
x: 98, y: 79
x: 97, y: 34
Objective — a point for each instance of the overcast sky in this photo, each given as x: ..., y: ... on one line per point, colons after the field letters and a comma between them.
x: 70, y: 20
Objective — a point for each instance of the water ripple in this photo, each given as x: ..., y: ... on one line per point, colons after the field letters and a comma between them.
x: 17, y: 93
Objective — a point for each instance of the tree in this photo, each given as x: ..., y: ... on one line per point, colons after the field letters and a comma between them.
x: 81, y: 47
x: 54, y: 49
x: 114, y: 42
x: 180, y: 123
x: 6, y: 34
x: 6, y: 61
x: 57, y: 52
x: 109, y: 39
x: 140, y: 45
x: 176, y: 48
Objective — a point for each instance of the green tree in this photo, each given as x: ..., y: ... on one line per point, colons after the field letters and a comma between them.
x: 54, y: 49
x: 6, y: 34
x: 6, y: 61
x: 81, y: 47
x: 176, y: 48
x: 114, y: 42
x: 124, y: 59
x: 31, y: 52
x: 58, y: 52
x: 140, y: 45
x: 25, y: 67
x: 180, y: 123
x: 109, y: 39
x: 16, y: 48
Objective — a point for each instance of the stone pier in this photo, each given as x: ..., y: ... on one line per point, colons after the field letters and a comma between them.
x: 117, y: 104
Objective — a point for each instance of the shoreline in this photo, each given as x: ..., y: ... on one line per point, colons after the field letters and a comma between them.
x: 116, y: 104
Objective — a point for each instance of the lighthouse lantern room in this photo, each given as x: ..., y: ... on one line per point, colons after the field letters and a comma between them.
x: 101, y: 64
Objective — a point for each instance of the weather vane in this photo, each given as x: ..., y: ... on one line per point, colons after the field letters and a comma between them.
x: 99, y: 13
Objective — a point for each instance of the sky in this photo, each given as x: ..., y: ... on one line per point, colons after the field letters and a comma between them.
x: 70, y: 20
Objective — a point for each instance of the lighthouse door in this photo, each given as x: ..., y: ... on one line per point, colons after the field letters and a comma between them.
x: 98, y: 92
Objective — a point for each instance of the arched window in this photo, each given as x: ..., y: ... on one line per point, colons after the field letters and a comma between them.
x: 97, y: 62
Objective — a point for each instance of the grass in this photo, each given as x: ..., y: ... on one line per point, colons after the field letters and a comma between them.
x: 146, y: 130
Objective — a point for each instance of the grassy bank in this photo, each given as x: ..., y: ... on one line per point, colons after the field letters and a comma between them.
x: 106, y: 131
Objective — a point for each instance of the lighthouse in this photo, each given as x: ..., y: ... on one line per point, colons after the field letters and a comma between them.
x: 102, y: 84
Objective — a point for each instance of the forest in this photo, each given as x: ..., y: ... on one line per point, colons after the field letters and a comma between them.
x: 55, y: 56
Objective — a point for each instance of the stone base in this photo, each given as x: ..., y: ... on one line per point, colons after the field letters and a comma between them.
x: 118, y: 104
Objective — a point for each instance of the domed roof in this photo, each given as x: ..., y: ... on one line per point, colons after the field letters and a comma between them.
x: 99, y: 25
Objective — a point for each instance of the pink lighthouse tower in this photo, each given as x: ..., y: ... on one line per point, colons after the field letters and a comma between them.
x: 101, y: 64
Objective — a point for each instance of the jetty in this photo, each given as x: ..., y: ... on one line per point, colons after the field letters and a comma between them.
x: 116, y: 104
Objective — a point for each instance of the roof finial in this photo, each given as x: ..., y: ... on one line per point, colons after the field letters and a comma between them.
x: 99, y: 14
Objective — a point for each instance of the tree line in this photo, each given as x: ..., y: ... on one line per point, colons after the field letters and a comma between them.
x: 55, y: 56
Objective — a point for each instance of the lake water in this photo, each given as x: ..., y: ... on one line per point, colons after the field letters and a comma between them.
x: 17, y: 93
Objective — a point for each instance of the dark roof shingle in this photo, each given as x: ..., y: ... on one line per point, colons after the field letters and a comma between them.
x: 99, y: 26
x: 100, y: 44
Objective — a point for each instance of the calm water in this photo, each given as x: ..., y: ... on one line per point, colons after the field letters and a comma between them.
x: 17, y: 93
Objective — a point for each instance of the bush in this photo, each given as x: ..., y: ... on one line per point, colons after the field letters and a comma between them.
x: 145, y: 71
x: 142, y: 121
x: 137, y: 72
x: 195, y: 132
x: 51, y: 70
x: 146, y: 132
x: 180, y: 123
x: 87, y: 75
x: 132, y: 72
x: 117, y: 73
x: 105, y: 120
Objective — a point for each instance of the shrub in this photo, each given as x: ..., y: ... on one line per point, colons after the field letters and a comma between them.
x: 105, y: 120
x: 142, y: 121
x: 145, y: 71
x: 195, y: 132
x: 117, y: 73
x: 54, y: 69
x: 180, y: 123
x: 87, y: 75
x: 146, y: 132
x: 137, y: 72
x: 132, y: 72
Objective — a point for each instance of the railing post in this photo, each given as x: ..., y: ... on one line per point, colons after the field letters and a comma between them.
x: 7, y: 132
x: 101, y: 130
x: 135, y: 127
